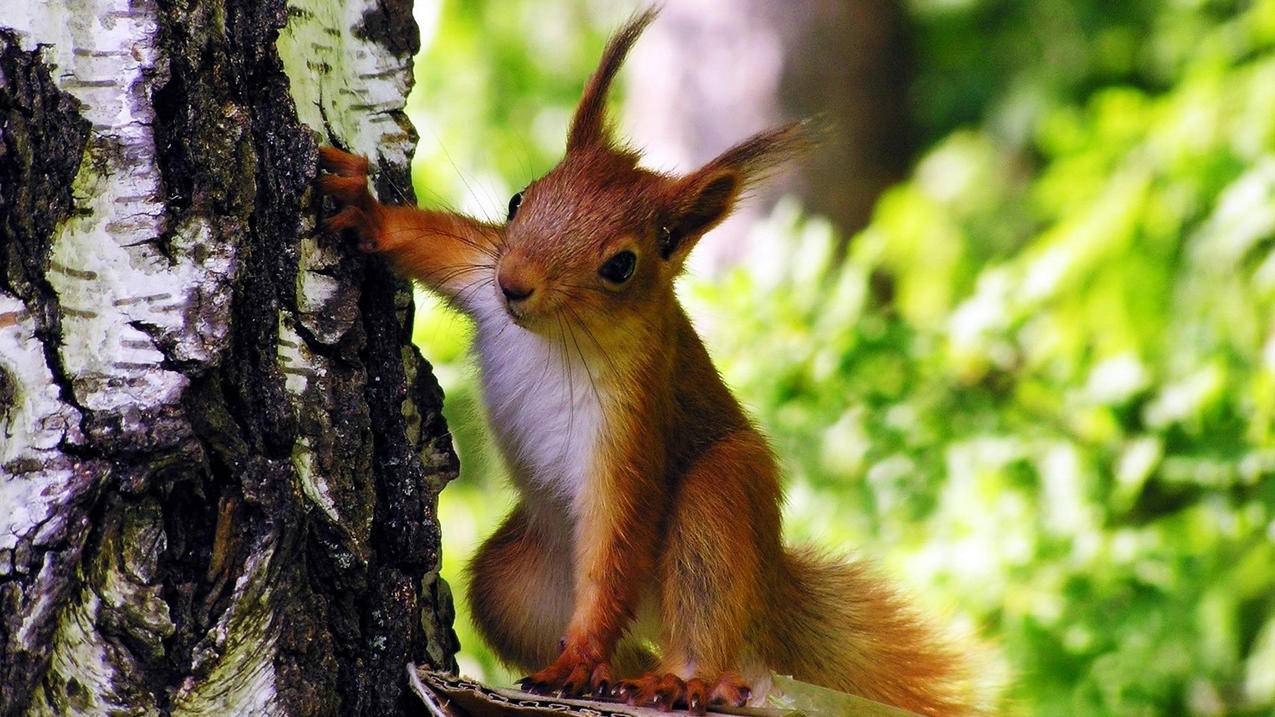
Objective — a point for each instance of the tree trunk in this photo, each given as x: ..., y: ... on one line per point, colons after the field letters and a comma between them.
x: 219, y: 452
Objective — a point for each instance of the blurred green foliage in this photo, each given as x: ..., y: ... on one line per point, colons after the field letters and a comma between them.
x: 1040, y: 389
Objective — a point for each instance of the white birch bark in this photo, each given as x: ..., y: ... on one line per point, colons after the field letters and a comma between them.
x: 219, y: 454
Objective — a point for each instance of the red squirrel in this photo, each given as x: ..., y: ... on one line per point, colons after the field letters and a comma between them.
x: 649, y: 504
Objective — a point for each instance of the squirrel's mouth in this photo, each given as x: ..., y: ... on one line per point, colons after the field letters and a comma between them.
x: 521, y: 313
x: 517, y: 315
x: 530, y: 311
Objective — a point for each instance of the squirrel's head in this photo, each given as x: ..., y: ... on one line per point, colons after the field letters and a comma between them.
x: 601, y: 239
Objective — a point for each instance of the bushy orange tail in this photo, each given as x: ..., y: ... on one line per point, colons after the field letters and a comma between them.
x: 844, y: 628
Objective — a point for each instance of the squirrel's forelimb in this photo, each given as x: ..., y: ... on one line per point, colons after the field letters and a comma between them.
x: 614, y: 544
x: 449, y: 253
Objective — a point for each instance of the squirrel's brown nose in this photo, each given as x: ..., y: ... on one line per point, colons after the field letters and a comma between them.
x: 515, y: 280
x: 513, y: 292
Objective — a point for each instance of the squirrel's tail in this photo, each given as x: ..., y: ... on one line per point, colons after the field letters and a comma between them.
x: 843, y: 627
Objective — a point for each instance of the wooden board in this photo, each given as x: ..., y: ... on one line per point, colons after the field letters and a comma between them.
x: 450, y: 696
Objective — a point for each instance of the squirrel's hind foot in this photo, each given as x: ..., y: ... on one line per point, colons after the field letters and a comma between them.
x: 667, y: 692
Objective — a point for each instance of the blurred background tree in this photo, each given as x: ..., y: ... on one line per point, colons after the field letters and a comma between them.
x: 1038, y: 383
x: 712, y: 72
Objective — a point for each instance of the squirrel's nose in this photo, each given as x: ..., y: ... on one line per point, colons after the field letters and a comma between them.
x: 514, y: 286
x: 517, y: 277
x: 514, y: 292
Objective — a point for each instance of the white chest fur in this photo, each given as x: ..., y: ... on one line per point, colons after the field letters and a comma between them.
x: 544, y: 405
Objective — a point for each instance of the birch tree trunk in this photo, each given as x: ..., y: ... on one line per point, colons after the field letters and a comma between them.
x: 219, y: 453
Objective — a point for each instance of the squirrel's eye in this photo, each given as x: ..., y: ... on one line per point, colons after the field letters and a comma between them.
x: 514, y: 202
x: 618, y: 268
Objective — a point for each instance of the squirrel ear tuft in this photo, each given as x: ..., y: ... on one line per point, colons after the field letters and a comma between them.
x: 704, y: 198
x: 758, y: 156
x: 588, y: 127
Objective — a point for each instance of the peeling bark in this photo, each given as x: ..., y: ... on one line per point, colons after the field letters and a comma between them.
x: 219, y: 452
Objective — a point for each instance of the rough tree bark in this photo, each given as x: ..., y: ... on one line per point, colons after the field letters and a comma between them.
x: 219, y: 453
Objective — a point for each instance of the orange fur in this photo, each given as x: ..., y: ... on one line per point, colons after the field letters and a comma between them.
x: 669, y: 509
x: 445, y: 251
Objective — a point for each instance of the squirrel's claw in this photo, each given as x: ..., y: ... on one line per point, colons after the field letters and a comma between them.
x: 535, y: 687
x: 730, y: 690
x: 696, y: 696
x: 663, y: 692
x: 568, y: 676
x: 577, y: 681
x: 600, y: 680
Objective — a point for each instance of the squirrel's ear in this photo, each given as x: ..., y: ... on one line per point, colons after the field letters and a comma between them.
x: 588, y: 127
x: 703, y: 199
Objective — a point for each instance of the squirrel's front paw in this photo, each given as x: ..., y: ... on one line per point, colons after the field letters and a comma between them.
x: 346, y: 182
x: 572, y: 674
